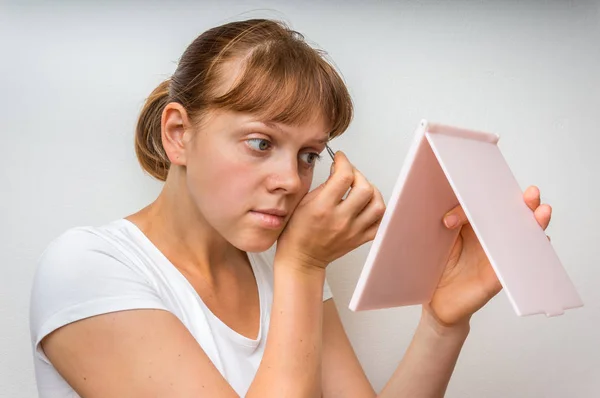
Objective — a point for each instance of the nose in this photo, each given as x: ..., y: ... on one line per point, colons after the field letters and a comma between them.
x: 285, y: 177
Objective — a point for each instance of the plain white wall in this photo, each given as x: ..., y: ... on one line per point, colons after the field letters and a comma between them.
x: 73, y: 76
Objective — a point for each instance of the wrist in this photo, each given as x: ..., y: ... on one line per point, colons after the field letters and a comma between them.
x: 300, y: 261
x: 301, y: 265
x: 431, y: 321
x: 296, y: 281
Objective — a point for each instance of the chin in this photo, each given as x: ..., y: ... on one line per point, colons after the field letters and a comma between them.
x: 255, y: 241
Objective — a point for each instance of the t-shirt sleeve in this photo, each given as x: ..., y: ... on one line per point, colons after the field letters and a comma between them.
x: 80, y: 275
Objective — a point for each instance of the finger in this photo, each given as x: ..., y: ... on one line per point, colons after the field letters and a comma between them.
x: 371, y: 232
x: 372, y: 213
x: 532, y: 197
x: 340, y: 180
x: 455, y: 218
x: 312, y: 195
x: 543, y: 214
x: 361, y: 193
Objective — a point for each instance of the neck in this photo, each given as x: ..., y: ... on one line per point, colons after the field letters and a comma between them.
x: 178, y: 229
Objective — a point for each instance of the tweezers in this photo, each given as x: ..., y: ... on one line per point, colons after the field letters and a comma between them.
x: 331, y: 153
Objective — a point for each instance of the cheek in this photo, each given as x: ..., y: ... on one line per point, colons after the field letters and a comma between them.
x: 236, y: 184
x: 219, y: 185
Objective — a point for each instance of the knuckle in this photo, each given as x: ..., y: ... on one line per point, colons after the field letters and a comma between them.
x: 371, y: 234
x: 379, y: 209
x: 365, y: 190
x: 319, y: 213
x: 347, y: 178
x: 378, y: 193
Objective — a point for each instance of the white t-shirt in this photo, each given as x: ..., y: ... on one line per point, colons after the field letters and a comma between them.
x: 89, y: 271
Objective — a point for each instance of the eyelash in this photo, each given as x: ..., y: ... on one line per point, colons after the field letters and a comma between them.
x: 317, y: 157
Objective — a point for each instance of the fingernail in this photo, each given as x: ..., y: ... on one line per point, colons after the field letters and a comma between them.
x: 451, y: 220
x: 332, y: 169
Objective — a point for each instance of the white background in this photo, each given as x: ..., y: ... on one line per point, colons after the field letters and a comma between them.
x: 73, y: 76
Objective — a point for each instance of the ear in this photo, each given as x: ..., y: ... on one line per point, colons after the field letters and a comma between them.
x: 175, y: 132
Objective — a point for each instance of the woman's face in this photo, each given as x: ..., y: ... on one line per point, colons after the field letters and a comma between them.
x: 246, y: 176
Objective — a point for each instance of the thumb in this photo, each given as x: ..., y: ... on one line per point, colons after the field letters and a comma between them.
x: 314, y: 193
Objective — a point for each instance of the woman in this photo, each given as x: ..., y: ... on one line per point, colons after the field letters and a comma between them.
x: 189, y: 297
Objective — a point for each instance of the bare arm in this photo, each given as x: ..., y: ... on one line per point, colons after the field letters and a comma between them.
x: 140, y: 353
x: 135, y: 353
x: 424, y: 371
x: 343, y: 376
x: 291, y: 364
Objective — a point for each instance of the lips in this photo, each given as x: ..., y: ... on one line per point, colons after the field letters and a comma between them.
x: 273, y: 212
x: 270, y: 218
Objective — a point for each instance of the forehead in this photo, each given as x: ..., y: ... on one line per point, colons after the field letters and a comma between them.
x: 288, y: 101
x: 314, y: 130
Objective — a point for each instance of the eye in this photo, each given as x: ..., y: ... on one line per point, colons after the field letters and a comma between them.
x: 310, y: 158
x: 259, y: 144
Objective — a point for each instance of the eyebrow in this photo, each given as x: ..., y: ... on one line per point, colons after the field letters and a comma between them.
x: 274, y: 126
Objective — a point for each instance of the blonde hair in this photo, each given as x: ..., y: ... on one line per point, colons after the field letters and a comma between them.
x: 283, y: 79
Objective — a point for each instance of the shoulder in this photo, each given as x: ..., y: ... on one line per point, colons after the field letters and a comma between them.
x: 82, y: 273
x: 80, y: 252
x: 76, y: 242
